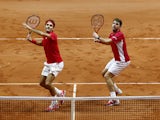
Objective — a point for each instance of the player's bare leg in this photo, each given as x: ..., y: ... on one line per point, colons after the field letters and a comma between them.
x: 42, y: 81
x: 117, y: 89
x: 46, y: 82
x: 108, y: 77
x: 104, y: 72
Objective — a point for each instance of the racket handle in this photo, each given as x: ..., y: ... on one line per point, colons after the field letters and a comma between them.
x: 29, y: 35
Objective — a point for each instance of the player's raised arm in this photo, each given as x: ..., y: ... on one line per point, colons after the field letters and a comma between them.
x: 35, y: 30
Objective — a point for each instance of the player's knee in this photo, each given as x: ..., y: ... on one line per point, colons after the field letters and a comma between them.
x: 42, y: 84
x: 47, y: 84
x: 106, y: 76
x: 103, y: 74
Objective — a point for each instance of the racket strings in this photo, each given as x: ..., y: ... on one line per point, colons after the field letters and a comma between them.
x: 97, y: 22
x: 33, y: 21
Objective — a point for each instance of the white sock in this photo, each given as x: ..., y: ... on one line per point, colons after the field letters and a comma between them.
x: 57, y: 91
x: 53, y: 102
x: 115, y: 86
x: 113, y: 94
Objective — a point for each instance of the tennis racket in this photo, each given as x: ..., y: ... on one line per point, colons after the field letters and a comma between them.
x: 33, y: 21
x: 97, y: 22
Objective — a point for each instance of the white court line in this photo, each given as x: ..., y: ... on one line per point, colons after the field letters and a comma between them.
x: 85, y: 38
x: 65, y: 38
x: 96, y: 83
x: 74, y: 90
x: 73, y: 114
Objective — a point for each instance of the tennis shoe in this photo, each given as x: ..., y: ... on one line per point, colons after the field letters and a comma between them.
x: 113, y: 103
x: 63, y: 94
x: 118, y: 91
x: 52, y: 107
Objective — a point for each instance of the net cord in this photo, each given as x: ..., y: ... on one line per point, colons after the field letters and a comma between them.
x: 77, y: 98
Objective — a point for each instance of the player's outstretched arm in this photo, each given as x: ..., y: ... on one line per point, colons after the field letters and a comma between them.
x: 35, y: 30
x: 99, y: 39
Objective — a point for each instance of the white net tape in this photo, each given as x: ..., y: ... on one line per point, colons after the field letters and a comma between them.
x: 80, y: 108
x: 77, y: 98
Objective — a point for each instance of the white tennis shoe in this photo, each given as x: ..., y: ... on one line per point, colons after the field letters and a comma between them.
x: 53, y: 107
x: 63, y: 94
x: 113, y: 103
x: 119, y: 91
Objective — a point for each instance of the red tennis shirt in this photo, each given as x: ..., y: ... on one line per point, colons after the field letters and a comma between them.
x: 118, y: 45
x: 51, y: 48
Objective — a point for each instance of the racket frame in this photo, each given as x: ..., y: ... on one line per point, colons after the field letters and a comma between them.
x: 33, y: 21
x: 95, y: 20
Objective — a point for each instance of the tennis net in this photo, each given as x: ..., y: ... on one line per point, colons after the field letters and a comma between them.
x: 80, y: 108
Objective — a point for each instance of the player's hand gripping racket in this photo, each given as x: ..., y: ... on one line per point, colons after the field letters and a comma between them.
x: 33, y: 21
x: 97, y: 22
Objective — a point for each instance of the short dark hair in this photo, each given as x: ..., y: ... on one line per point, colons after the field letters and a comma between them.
x: 118, y: 20
x: 52, y: 21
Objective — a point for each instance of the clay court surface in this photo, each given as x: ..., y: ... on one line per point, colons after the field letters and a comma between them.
x: 22, y: 62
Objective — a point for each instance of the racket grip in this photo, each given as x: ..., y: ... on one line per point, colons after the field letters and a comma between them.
x: 29, y: 36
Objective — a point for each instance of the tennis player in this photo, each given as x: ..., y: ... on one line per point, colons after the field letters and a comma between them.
x: 54, y: 64
x: 120, y: 61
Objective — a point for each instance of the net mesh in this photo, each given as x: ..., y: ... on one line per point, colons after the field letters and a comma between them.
x: 85, y: 108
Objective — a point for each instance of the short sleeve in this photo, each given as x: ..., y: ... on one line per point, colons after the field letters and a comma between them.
x: 53, y: 36
x: 117, y: 37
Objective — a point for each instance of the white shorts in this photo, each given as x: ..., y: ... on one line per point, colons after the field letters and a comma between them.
x: 115, y: 67
x: 53, y: 68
